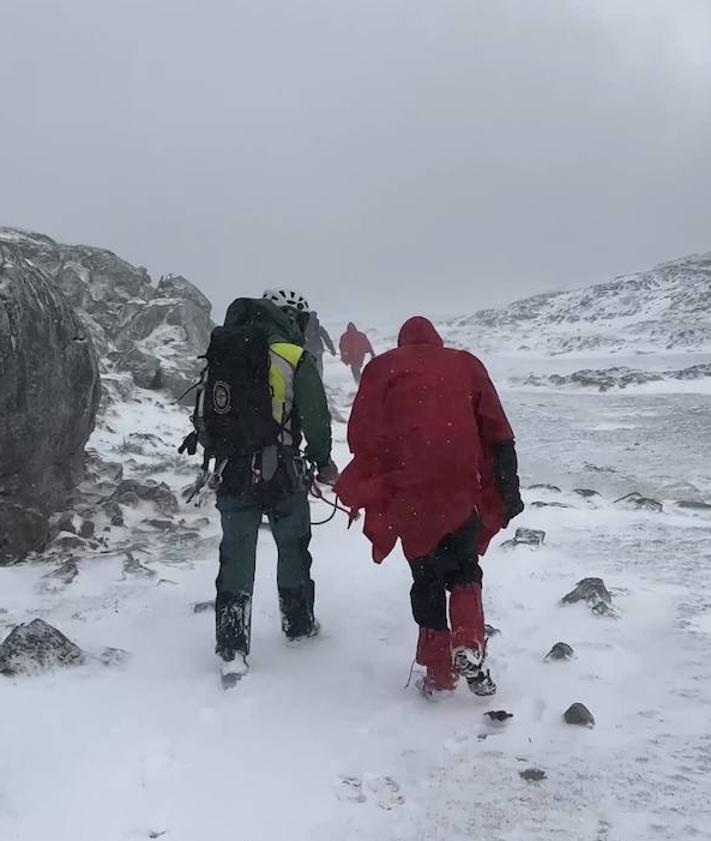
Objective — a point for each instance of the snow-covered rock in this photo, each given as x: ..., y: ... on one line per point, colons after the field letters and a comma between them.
x: 578, y: 714
x: 36, y: 647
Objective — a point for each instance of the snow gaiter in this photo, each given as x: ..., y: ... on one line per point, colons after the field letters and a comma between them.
x: 434, y: 651
x: 466, y: 614
x: 297, y: 610
x: 233, y: 623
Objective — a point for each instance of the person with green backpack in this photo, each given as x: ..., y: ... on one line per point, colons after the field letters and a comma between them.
x: 261, y: 395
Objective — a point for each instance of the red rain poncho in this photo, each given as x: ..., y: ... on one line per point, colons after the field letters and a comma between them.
x: 422, y: 432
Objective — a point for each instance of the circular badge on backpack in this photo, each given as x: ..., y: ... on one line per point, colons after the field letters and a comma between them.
x: 221, y: 397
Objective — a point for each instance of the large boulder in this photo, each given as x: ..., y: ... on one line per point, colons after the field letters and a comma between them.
x: 48, y: 401
x: 155, y: 333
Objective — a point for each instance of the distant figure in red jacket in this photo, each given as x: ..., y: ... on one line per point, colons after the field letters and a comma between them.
x: 434, y: 464
x: 354, y: 348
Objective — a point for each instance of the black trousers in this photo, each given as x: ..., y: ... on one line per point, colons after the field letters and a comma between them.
x: 453, y: 563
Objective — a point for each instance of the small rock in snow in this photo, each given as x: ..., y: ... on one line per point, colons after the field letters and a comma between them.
x: 544, y: 487
x: 114, y: 656
x: 161, y: 525
x: 586, y: 493
x: 63, y: 575
x: 114, y: 512
x: 525, y: 537
x: 538, y: 503
x: 87, y: 529
x: 578, y: 714
x: 591, y: 590
x: 532, y: 775
x: 498, y: 715
x: 637, y: 502
x: 132, y: 566
x: 561, y: 651
x: 67, y: 541
x: 36, y: 647
x: 66, y: 522
x: 131, y: 490
x: 130, y: 499
x: 203, y: 607
x: 693, y: 505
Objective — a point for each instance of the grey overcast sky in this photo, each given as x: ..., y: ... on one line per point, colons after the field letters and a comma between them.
x: 380, y: 155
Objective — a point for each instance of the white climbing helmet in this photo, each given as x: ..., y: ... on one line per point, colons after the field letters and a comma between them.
x: 287, y: 298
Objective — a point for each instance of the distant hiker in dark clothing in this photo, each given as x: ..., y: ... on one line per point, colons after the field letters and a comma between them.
x: 434, y: 465
x: 260, y: 396
x: 315, y: 337
x: 355, y: 346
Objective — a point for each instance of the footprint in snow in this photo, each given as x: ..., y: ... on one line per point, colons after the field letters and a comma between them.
x: 350, y: 790
x: 383, y: 789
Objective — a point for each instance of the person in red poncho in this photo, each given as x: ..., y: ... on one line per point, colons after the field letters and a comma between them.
x: 434, y: 465
x: 355, y: 346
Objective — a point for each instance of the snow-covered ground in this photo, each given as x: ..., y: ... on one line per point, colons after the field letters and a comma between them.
x: 323, y: 741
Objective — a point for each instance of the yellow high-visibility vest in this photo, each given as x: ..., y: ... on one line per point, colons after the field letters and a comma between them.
x: 284, y: 359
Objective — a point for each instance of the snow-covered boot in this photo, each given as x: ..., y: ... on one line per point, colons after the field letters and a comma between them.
x: 233, y: 667
x: 297, y: 612
x: 469, y: 663
x: 434, y: 652
x: 233, y: 624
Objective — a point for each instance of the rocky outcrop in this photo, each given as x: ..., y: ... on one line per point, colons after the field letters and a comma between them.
x: 48, y: 400
x: 155, y: 333
x: 616, y: 378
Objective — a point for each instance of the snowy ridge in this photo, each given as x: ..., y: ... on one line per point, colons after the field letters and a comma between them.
x: 666, y: 308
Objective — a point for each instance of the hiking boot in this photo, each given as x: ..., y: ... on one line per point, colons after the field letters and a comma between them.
x: 440, y: 680
x: 297, y: 612
x: 233, y: 667
x: 313, y: 631
x: 435, y: 686
x: 434, y: 652
x: 469, y: 663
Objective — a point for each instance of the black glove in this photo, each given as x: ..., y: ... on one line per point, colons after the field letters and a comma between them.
x: 506, y: 472
x: 513, y: 508
x: 190, y: 444
x: 328, y: 474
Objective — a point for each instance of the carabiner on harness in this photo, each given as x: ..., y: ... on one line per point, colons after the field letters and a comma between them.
x: 211, y: 483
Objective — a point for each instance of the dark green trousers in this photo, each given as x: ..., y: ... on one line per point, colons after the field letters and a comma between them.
x: 290, y: 521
